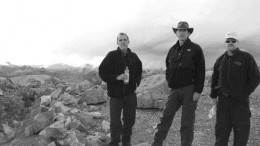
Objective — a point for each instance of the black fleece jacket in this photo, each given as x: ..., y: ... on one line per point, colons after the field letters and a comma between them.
x: 113, y: 65
x: 185, y: 65
x: 235, y: 76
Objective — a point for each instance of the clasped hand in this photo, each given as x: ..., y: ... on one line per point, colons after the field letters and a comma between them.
x: 122, y: 77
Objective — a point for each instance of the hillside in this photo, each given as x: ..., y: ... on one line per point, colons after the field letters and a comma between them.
x: 68, y: 106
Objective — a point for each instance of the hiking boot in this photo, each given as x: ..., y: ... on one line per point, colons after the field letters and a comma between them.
x: 156, y: 143
x: 126, y: 144
x: 113, y: 144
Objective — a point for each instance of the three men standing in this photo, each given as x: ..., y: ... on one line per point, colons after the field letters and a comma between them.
x: 235, y: 77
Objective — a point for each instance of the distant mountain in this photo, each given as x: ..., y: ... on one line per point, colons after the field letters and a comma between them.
x: 62, y: 66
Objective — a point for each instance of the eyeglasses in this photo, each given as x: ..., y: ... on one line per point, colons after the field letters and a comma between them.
x: 233, y: 41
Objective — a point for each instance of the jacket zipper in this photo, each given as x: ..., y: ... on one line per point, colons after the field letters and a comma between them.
x: 228, y: 70
x: 124, y: 62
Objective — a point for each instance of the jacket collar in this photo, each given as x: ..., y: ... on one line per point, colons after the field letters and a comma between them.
x: 120, y: 51
x: 234, y: 52
x: 186, y: 43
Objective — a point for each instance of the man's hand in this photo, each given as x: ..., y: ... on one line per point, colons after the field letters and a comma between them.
x: 122, y: 77
x: 196, y: 96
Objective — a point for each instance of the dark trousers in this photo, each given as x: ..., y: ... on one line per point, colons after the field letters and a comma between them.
x: 118, y: 130
x: 232, y: 114
x: 178, y: 97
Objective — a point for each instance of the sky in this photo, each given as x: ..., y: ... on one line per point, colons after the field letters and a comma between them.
x: 78, y: 32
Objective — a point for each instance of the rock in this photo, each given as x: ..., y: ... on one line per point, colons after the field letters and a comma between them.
x: 86, y: 120
x: 94, y: 95
x: 104, y: 85
x: 61, y: 108
x: 42, y: 120
x: 152, y: 92
x: 84, y: 85
x: 68, y: 99
x: 73, y: 90
x: 95, y: 115
x: 56, y: 133
x: 149, y: 72
x: 105, y: 125
x: 3, y: 140
x: 75, y: 138
x: 44, y: 108
x: 77, y: 125
x: 10, y: 132
x: 26, y: 80
x: 52, y: 144
x: 98, y: 139
x: 59, y: 117
x: 56, y: 94
x: 34, y: 140
x: 93, y: 77
x: 42, y: 91
x: 1, y: 92
x: 143, y: 144
x: 46, y: 100
x: 28, y: 131
x: 34, y: 83
x: 7, y: 83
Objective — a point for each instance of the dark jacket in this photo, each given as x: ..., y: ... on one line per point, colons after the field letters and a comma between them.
x: 235, y: 76
x: 113, y: 65
x: 185, y: 66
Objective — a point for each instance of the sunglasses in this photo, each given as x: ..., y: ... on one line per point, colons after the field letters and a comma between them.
x: 233, y: 41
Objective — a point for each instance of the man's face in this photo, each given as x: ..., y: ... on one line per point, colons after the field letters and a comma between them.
x: 182, y: 34
x: 231, y: 44
x: 122, y: 42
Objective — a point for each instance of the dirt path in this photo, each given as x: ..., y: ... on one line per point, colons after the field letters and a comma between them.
x: 146, y: 121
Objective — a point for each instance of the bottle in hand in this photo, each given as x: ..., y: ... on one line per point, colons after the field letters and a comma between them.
x: 127, y: 73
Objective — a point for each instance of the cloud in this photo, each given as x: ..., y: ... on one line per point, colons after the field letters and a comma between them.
x: 85, y: 32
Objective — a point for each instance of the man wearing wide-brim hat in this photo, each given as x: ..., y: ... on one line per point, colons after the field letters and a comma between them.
x: 185, y: 74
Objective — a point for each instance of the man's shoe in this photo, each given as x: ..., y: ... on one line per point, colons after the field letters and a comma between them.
x: 126, y: 144
x: 113, y: 144
x: 156, y: 143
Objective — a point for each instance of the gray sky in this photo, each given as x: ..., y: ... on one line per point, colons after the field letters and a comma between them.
x: 76, y: 32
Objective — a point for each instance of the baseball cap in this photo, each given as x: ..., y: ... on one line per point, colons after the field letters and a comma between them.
x: 231, y: 35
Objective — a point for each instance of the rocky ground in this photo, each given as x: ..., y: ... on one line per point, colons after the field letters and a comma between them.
x: 29, y: 96
x: 147, y: 119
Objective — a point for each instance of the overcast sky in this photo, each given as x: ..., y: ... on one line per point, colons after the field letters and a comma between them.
x: 76, y: 32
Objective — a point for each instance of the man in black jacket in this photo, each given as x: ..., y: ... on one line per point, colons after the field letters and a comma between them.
x: 235, y: 77
x: 121, y: 69
x: 185, y: 74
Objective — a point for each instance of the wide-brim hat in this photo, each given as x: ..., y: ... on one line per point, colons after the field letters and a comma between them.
x: 183, y: 25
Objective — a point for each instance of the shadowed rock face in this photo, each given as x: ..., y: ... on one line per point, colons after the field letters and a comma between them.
x: 152, y: 92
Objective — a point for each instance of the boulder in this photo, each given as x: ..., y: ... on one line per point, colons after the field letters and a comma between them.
x: 94, y: 95
x: 149, y: 72
x: 93, y: 77
x: 30, y: 80
x: 74, y: 138
x: 56, y: 94
x: 152, y: 92
x: 98, y: 139
x: 68, y: 99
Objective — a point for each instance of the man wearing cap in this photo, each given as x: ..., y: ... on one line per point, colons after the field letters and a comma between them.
x: 185, y: 74
x: 235, y: 77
